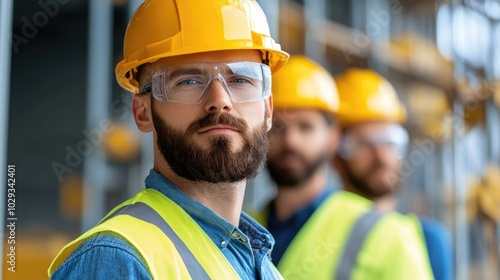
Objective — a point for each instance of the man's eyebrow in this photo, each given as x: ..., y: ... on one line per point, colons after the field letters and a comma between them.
x: 184, y: 71
x: 198, y: 71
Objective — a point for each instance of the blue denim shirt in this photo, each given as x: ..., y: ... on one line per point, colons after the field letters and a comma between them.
x: 108, y: 256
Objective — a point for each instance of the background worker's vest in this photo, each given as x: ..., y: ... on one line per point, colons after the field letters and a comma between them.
x: 173, y: 245
x: 394, y: 248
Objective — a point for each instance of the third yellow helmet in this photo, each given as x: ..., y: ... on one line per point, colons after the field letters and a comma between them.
x: 367, y: 96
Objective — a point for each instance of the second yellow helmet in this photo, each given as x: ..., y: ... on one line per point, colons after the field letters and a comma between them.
x: 302, y: 83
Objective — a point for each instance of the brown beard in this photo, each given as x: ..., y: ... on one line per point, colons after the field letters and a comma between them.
x: 218, y: 163
x: 362, y: 185
x: 287, y: 178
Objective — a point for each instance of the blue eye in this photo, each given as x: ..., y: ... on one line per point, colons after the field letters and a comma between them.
x: 240, y: 80
x: 188, y: 82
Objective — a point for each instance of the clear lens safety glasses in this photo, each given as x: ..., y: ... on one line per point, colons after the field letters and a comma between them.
x: 394, y: 139
x: 189, y: 83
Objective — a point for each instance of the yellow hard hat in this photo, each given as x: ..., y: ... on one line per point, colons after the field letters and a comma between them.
x: 302, y: 83
x: 165, y: 28
x: 366, y: 96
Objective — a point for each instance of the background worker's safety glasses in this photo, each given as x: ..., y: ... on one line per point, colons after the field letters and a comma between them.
x: 393, y: 139
x: 189, y: 83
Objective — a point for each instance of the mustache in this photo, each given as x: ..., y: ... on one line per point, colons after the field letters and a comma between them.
x: 217, y: 119
x: 377, y: 166
x: 292, y: 152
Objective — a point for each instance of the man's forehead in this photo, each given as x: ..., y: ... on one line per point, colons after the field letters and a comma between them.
x: 215, y: 56
x: 297, y: 114
x: 372, y: 127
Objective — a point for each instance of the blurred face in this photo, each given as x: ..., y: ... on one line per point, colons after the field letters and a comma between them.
x: 374, y: 157
x: 216, y: 140
x: 301, y: 141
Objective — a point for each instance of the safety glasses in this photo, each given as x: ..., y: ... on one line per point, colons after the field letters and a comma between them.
x: 394, y: 139
x: 189, y: 83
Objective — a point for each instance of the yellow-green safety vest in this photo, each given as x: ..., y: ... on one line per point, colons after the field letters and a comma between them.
x: 394, y: 248
x: 175, y: 246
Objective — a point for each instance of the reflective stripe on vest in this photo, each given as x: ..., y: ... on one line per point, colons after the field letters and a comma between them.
x: 167, y: 255
x: 143, y: 212
x: 347, y: 261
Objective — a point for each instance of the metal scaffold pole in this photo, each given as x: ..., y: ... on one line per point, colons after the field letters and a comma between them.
x: 314, y: 14
x: 459, y: 181
x: 98, y: 98
x: 272, y: 10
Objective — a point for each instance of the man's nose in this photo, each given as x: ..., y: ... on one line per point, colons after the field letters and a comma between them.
x: 217, y: 97
x: 291, y: 136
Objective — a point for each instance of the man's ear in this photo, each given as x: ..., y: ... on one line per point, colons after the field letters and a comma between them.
x: 269, y: 116
x: 141, y: 110
x: 335, y: 138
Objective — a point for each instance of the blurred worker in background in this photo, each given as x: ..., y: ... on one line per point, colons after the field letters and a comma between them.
x: 201, y: 74
x: 372, y: 152
x: 320, y: 234
x: 303, y: 139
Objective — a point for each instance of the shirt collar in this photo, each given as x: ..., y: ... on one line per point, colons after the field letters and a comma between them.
x: 217, y: 228
x: 302, y: 215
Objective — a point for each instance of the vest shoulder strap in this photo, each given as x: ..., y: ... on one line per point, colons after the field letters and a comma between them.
x: 174, y: 247
x: 360, y: 230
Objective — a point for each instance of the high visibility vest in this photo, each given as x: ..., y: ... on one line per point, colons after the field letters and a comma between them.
x: 394, y: 247
x: 173, y: 245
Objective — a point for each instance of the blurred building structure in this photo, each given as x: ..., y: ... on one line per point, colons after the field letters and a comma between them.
x: 77, y: 151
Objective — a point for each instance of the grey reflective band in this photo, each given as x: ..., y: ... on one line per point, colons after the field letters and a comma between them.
x: 358, y: 234
x: 145, y: 213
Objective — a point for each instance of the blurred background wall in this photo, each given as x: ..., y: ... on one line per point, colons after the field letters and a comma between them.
x: 77, y: 152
